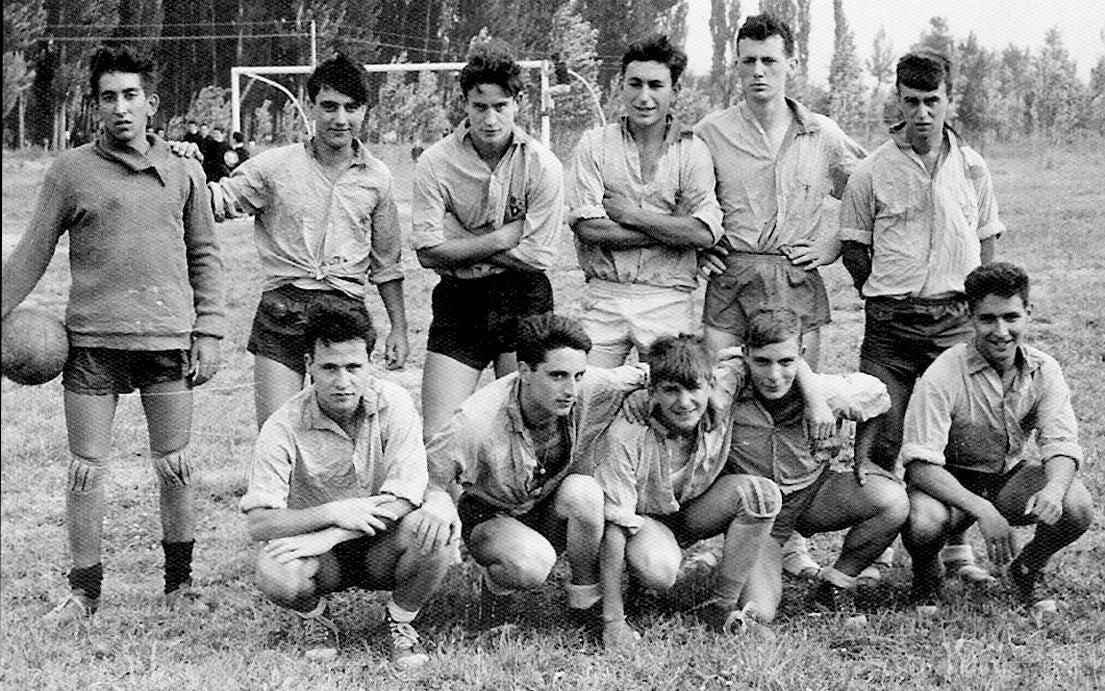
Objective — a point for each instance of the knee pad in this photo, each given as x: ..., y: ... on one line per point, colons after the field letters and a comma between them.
x: 174, y: 469
x: 759, y: 496
x: 86, y: 475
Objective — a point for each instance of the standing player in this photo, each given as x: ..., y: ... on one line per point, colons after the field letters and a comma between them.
x: 641, y: 201
x: 145, y: 312
x: 777, y: 164
x: 521, y: 448
x: 966, y: 432
x: 337, y: 476
x: 917, y: 217
x: 326, y: 225
x: 488, y: 209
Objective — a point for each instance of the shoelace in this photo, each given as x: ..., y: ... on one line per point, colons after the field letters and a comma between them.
x: 317, y: 630
x: 403, y: 635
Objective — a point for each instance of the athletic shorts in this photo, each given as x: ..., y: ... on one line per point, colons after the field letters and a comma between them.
x: 753, y: 283
x: 795, y: 504
x: 620, y: 316
x: 905, y: 336
x: 476, y: 320
x: 105, y: 371
x: 280, y: 323
x: 352, y: 556
x: 473, y: 511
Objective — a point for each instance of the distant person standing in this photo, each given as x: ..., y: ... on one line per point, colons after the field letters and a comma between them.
x: 238, y: 153
x: 214, y: 155
x: 145, y: 312
x: 192, y: 133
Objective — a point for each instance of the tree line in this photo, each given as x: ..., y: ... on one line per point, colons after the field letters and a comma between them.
x: 997, y: 94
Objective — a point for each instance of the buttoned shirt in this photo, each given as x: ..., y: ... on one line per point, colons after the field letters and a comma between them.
x: 303, y: 458
x: 961, y: 415
x: 634, y: 461
x: 312, y: 231
x: 925, y: 231
x: 774, y: 444
x: 457, y: 195
x: 488, y: 449
x: 773, y: 199
x: 606, y: 160
x: 143, y: 255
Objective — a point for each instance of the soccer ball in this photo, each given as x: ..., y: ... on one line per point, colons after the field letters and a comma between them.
x: 34, y: 346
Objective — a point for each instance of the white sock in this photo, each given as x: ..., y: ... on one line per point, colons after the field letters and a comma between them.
x: 957, y: 553
x: 583, y: 596
x: 400, y: 615
x: 837, y: 578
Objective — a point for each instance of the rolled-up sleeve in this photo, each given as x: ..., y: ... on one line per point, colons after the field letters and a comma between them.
x: 1057, y: 427
x: 427, y: 207
x: 616, y: 473
x: 544, y: 219
x: 856, y: 396
x: 584, y: 186
x: 404, y: 454
x: 447, y: 453
x: 385, y: 257
x: 989, y: 225
x: 245, y: 191
x: 270, y: 469
x: 928, y: 420
x: 857, y: 208
x: 847, y: 157
x: 699, y: 187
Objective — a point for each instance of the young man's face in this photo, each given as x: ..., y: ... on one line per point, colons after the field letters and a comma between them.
x: 491, y: 112
x: 337, y: 117
x: 773, y: 367
x: 124, y: 107
x: 1000, y: 325
x: 204, y: 129
x: 678, y: 408
x: 924, y: 111
x: 763, y: 67
x: 647, y: 93
x: 340, y: 372
x: 552, y: 385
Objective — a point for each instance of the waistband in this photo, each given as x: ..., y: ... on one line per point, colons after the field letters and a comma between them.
x: 936, y: 300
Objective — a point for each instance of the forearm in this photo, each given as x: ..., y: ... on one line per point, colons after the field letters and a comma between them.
x: 987, y: 249
x: 1060, y: 471
x: 938, y: 483
x: 810, y: 385
x: 24, y: 268
x: 391, y: 294
x: 606, y: 233
x: 611, y: 568
x: 463, y: 251
x: 509, y: 261
x: 857, y: 260
x: 674, y: 231
x: 269, y: 524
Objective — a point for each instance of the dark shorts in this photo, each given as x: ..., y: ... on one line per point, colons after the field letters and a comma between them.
x: 476, y: 320
x: 795, y: 504
x: 351, y: 556
x: 473, y: 511
x: 753, y: 283
x: 105, y: 371
x: 989, y: 485
x: 281, y: 321
x: 905, y: 336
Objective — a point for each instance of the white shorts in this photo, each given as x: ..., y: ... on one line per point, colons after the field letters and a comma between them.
x: 621, y: 316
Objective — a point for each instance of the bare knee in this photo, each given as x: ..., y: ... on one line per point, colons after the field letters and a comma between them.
x: 526, y: 568
x: 1078, y: 507
x: 286, y: 584
x: 889, y: 498
x: 652, y: 565
x: 580, y: 498
x: 408, y: 543
x: 928, y: 520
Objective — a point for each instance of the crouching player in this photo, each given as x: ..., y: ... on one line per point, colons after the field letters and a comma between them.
x: 769, y: 440
x: 520, y: 448
x: 338, y: 472
x: 665, y: 487
x: 966, y: 429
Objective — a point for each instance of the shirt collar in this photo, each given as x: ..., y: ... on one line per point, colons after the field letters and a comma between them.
x: 314, y: 418
x: 360, y: 152
x: 803, y: 116
x: 1024, y: 360
x: 156, y: 159
x: 674, y: 129
x: 521, y: 137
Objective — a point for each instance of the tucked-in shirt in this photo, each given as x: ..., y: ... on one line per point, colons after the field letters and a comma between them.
x: 774, y: 444
x: 457, y: 195
x: 768, y: 199
x: 634, y: 463
x: 925, y: 231
x: 606, y: 161
x: 960, y: 414
x: 143, y: 255
x: 314, y: 232
x: 488, y: 449
x: 303, y: 458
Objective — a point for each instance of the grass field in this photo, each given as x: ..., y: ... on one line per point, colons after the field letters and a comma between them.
x: 1052, y: 202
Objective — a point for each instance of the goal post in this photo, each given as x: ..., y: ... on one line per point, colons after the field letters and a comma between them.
x: 259, y: 73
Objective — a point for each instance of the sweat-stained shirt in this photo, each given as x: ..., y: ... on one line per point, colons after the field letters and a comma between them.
x: 313, y: 232
x: 143, y: 255
x: 606, y: 160
x: 456, y: 195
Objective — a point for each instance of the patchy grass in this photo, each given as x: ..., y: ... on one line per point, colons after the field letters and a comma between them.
x: 1054, y: 214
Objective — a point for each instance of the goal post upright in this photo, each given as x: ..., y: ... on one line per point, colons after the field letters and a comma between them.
x: 260, y: 71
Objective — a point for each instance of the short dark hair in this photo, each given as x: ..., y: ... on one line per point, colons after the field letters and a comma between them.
x: 342, y: 75
x: 337, y: 323
x: 121, y: 58
x: 760, y: 27
x: 998, y: 278
x: 541, y: 333
x: 681, y: 359
x: 772, y: 326
x: 924, y: 70
x: 492, y: 63
x: 657, y: 48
